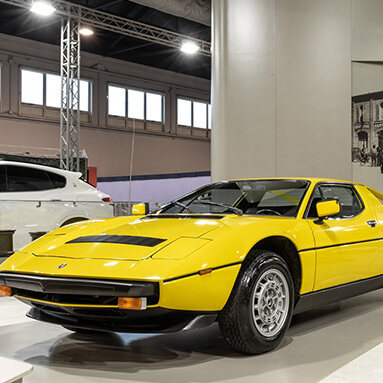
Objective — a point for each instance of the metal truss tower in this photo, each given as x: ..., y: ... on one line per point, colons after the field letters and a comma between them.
x: 70, y: 94
x: 71, y: 17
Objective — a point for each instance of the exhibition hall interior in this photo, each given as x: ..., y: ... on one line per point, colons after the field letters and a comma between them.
x: 191, y: 191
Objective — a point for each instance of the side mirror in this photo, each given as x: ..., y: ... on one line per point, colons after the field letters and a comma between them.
x: 327, y: 209
x: 140, y: 209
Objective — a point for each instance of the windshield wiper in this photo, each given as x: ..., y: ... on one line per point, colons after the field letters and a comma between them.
x: 185, y: 207
x: 232, y: 208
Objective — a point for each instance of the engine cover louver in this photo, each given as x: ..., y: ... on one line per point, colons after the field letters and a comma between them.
x: 119, y: 239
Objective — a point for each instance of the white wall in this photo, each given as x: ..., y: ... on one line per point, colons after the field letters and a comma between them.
x: 243, y: 89
x: 281, y: 88
x: 367, y: 30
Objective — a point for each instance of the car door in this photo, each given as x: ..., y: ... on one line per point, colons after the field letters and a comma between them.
x: 31, y: 203
x: 344, y: 244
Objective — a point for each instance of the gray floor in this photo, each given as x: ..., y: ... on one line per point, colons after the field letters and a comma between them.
x: 318, y: 344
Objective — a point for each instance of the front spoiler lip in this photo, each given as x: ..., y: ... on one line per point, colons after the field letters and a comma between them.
x: 154, y: 320
x: 84, y: 286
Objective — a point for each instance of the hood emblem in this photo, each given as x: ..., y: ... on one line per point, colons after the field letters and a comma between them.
x: 61, y: 266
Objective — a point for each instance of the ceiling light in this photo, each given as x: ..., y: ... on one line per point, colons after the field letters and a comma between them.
x: 189, y: 47
x: 85, y: 31
x: 42, y: 8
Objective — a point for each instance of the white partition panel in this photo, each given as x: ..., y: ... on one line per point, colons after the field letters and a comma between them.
x: 281, y: 88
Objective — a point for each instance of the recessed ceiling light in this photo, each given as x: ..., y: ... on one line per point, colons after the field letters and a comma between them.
x: 85, y: 31
x: 42, y: 8
x: 189, y: 47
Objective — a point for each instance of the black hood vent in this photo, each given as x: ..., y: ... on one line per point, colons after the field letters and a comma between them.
x: 120, y: 239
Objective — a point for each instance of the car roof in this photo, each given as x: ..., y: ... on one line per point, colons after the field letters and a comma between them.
x: 310, y: 179
x: 42, y: 167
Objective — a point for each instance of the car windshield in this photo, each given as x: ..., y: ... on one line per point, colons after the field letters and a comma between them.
x: 251, y: 197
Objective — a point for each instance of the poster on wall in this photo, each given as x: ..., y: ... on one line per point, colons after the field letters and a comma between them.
x: 367, y: 124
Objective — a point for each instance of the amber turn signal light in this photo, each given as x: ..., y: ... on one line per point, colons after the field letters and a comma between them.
x: 5, y: 291
x: 205, y: 271
x: 128, y: 303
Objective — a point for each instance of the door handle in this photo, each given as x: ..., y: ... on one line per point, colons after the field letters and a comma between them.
x: 372, y: 223
x: 56, y: 200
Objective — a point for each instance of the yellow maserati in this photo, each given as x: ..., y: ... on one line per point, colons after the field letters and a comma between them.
x: 246, y: 253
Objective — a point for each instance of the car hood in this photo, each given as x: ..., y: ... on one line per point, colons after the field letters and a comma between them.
x: 120, y: 238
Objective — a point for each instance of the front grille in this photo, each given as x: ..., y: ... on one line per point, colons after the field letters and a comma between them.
x: 78, y: 291
x: 67, y: 298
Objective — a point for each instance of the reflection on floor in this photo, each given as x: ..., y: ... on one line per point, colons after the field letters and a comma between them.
x: 319, y: 343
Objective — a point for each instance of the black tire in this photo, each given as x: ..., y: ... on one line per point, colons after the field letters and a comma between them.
x: 259, y: 310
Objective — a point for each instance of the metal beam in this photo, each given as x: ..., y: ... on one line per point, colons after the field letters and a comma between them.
x: 117, y: 24
x: 70, y: 95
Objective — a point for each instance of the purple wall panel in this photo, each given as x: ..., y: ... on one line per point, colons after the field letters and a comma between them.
x: 162, y: 190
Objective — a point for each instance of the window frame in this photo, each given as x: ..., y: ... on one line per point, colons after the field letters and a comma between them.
x: 49, y: 111
x: 344, y: 184
x: 127, y: 120
x: 194, y: 100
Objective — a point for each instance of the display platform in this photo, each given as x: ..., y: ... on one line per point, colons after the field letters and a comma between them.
x: 317, y: 345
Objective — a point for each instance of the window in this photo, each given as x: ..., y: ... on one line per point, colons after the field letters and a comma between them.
x: 21, y: 179
x: 32, y: 85
x: 84, y: 96
x: 360, y: 114
x: 184, y: 112
x: 199, y: 115
x: 44, y: 89
x: 350, y: 203
x: 116, y: 101
x: 154, y: 107
x: 138, y: 104
x: 253, y: 197
x: 57, y: 180
x: 209, y: 116
x: 136, y: 107
x: 193, y: 113
x: 53, y: 88
x: 2, y: 179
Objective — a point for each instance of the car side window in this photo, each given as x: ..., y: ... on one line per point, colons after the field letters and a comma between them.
x: 22, y: 179
x: 2, y: 179
x: 58, y: 181
x: 350, y: 202
x: 317, y: 197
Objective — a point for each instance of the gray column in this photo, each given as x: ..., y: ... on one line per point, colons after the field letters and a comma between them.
x: 281, y: 88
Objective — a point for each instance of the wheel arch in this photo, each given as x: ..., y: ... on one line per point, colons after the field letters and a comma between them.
x: 286, y: 249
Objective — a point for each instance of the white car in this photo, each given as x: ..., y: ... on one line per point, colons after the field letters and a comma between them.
x: 36, y: 199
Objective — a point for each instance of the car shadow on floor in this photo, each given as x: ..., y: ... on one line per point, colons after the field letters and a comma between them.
x: 119, y: 354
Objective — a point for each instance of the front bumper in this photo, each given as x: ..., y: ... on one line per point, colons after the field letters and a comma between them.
x: 78, y: 291
x: 93, y: 304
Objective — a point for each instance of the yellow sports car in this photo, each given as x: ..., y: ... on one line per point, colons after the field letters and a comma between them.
x: 246, y: 253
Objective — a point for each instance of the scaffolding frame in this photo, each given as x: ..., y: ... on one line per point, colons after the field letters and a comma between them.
x: 72, y: 16
x: 118, y: 24
x: 70, y: 94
